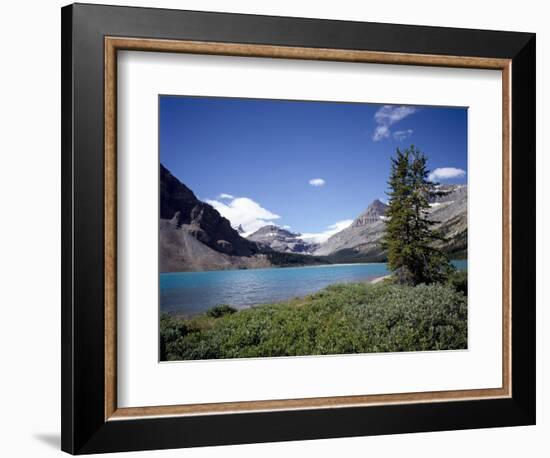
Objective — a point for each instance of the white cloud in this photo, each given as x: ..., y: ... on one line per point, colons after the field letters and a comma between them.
x: 223, y: 195
x: 286, y: 226
x: 388, y: 115
x: 317, y: 182
x: 381, y: 132
x: 246, y: 212
x: 446, y: 173
x: 320, y: 237
x: 401, y: 135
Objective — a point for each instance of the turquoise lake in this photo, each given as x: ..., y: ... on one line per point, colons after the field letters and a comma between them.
x: 190, y: 293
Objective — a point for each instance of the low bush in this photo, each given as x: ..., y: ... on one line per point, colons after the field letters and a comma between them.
x: 459, y: 281
x: 220, y: 310
x: 171, y: 330
x: 347, y: 318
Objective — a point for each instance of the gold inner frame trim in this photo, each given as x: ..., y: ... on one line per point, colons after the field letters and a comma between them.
x: 114, y: 44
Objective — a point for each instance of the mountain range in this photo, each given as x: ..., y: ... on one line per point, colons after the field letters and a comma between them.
x: 282, y: 240
x: 194, y: 236
x: 362, y: 239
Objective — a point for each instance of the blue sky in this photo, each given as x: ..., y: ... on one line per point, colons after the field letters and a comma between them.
x: 309, y: 166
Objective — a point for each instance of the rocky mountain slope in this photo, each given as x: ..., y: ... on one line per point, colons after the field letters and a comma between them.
x: 451, y: 213
x: 362, y: 240
x: 181, y: 251
x: 193, y: 236
x: 179, y: 204
x: 281, y: 240
x: 363, y: 237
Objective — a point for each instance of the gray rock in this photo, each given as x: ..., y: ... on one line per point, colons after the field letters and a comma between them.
x: 181, y: 251
x: 204, y: 221
x: 281, y: 240
x: 364, y: 236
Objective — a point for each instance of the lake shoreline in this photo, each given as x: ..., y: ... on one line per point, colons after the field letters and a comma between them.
x: 371, y: 281
x: 379, y: 279
x: 193, y: 293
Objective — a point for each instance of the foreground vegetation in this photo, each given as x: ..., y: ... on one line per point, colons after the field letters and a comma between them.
x: 344, y: 318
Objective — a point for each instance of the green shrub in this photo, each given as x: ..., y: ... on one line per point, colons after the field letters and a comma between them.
x: 459, y: 281
x: 220, y: 310
x: 349, y: 318
x: 171, y: 329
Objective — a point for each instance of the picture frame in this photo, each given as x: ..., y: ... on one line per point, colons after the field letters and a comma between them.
x: 92, y: 35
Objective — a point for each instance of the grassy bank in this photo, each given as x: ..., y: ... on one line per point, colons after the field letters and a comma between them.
x: 346, y: 318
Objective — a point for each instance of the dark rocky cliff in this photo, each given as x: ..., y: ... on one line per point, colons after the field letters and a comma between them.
x: 179, y: 204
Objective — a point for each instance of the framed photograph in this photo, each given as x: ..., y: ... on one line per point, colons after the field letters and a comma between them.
x: 281, y: 229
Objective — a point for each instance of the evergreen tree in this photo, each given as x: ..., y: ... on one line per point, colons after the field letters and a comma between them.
x: 409, y: 238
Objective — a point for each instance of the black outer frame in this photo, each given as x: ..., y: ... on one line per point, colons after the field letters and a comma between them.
x: 84, y: 429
